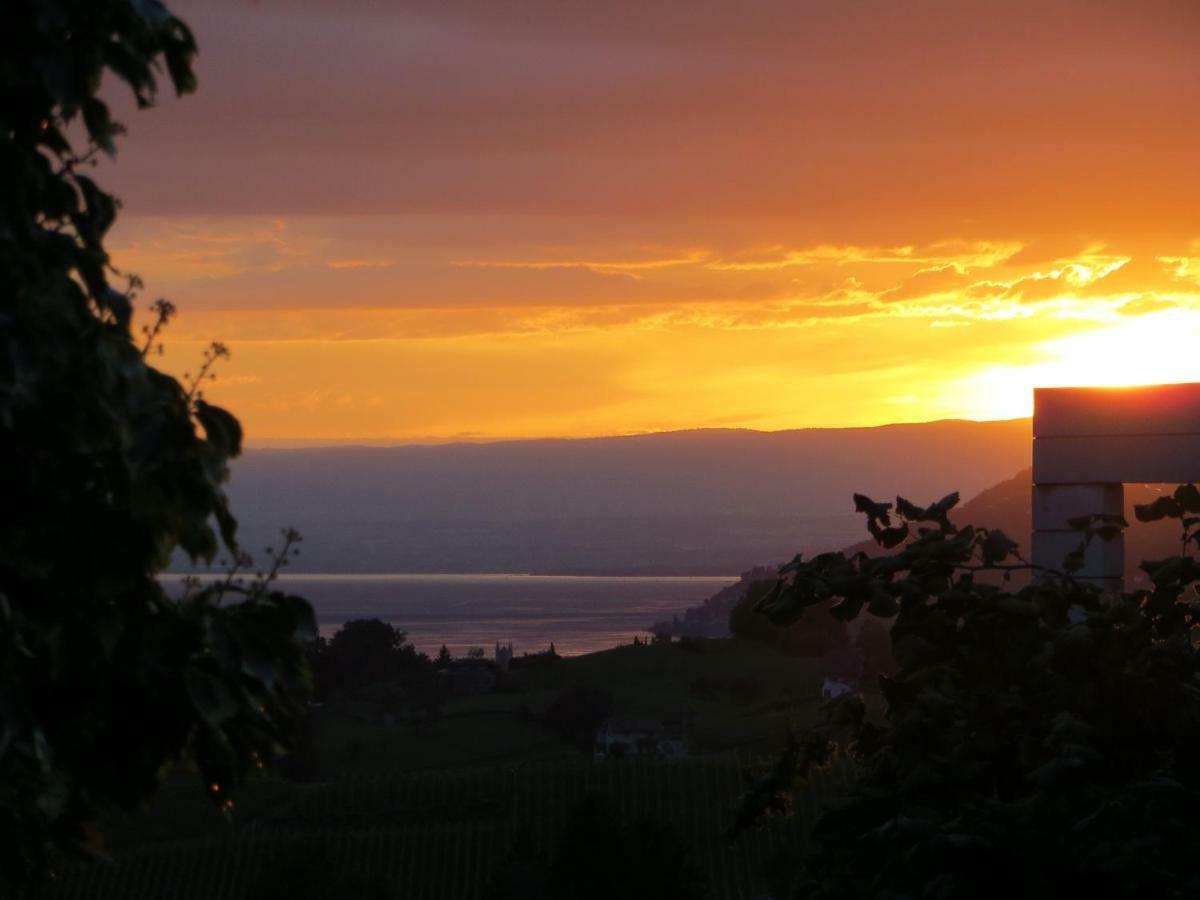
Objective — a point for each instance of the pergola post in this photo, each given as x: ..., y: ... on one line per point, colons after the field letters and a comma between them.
x: 1054, y: 505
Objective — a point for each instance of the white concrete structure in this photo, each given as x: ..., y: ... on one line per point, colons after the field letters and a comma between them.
x: 1087, y: 443
x: 832, y: 688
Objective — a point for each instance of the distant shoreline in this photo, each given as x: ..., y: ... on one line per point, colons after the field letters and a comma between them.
x: 578, y: 614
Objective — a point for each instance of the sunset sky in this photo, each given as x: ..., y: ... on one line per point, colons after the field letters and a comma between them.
x: 545, y: 217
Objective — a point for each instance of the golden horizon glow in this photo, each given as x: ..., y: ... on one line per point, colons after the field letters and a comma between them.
x: 1158, y: 348
x: 853, y: 336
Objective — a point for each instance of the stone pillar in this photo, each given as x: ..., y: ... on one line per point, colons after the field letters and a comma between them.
x: 1054, y: 505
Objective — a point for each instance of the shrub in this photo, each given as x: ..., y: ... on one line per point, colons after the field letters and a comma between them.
x: 1038, y: 742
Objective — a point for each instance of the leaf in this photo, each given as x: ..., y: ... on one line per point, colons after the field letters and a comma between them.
x: 210, y: 698
x: 846, y: 609
x: 226, y: 522
x: 1162, y: 508
x: 100, y: 126
x: 875, y: 511
x: 221, y: 428
x: 118, y: 304
x: 883, y: 605
x: 1188, y: 497
x: 153, y: 12
x: 892, y: 537
x: 101, y: 207
x: 944, y: 505
x: 911, y: 511
x: 997, y: 547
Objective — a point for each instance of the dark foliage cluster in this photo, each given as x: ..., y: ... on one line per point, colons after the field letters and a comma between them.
x: 1037, y: 742
x: 599, y: 857
x: 576, y: 713
x: 107, y: 467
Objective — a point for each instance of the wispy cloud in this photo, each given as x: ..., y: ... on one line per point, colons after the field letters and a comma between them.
x: 628, y: 267
x: 213, y: 248
x: 359, y: 263
x: 959, y: 255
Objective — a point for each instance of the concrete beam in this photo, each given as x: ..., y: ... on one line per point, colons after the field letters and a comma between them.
x: 1159, y: 409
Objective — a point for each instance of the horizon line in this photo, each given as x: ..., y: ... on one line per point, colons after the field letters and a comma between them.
x: 299, y: 443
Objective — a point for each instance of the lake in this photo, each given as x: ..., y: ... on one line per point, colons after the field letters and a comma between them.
x: 580, y: 614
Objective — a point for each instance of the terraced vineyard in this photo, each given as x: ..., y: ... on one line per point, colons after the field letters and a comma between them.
x: 441, y: 836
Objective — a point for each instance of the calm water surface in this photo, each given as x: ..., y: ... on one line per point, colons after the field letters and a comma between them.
x: 579, y: 614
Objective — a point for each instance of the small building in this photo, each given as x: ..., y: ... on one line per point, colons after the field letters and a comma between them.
x: 642, y: 737
x: 504, y: 655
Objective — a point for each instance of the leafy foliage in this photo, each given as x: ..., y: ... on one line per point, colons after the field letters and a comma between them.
x: 1037, y: 742
x: 107, y: 466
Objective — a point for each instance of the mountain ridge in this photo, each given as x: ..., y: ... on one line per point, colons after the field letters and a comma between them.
x: 701, y: 501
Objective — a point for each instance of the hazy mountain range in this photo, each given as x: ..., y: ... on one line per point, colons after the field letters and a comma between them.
x: 692, y: 502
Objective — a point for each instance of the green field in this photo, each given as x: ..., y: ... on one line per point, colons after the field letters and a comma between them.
x: 432, y: 836
x: 434, y: 810
x: 753, y: 693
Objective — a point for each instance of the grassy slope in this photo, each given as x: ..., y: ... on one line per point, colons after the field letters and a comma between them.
x: 755, y: 690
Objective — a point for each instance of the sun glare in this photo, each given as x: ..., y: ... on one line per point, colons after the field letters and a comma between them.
x: 1159, y: 348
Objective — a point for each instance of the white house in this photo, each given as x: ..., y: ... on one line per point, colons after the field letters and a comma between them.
x: 645, y: 737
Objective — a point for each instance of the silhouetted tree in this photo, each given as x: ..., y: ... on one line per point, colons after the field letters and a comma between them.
x: 364, y: 652
x: 107, y: 466
x: 444, y: 658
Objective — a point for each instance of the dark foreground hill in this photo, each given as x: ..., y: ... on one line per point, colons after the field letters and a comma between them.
x: 694, y: 502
